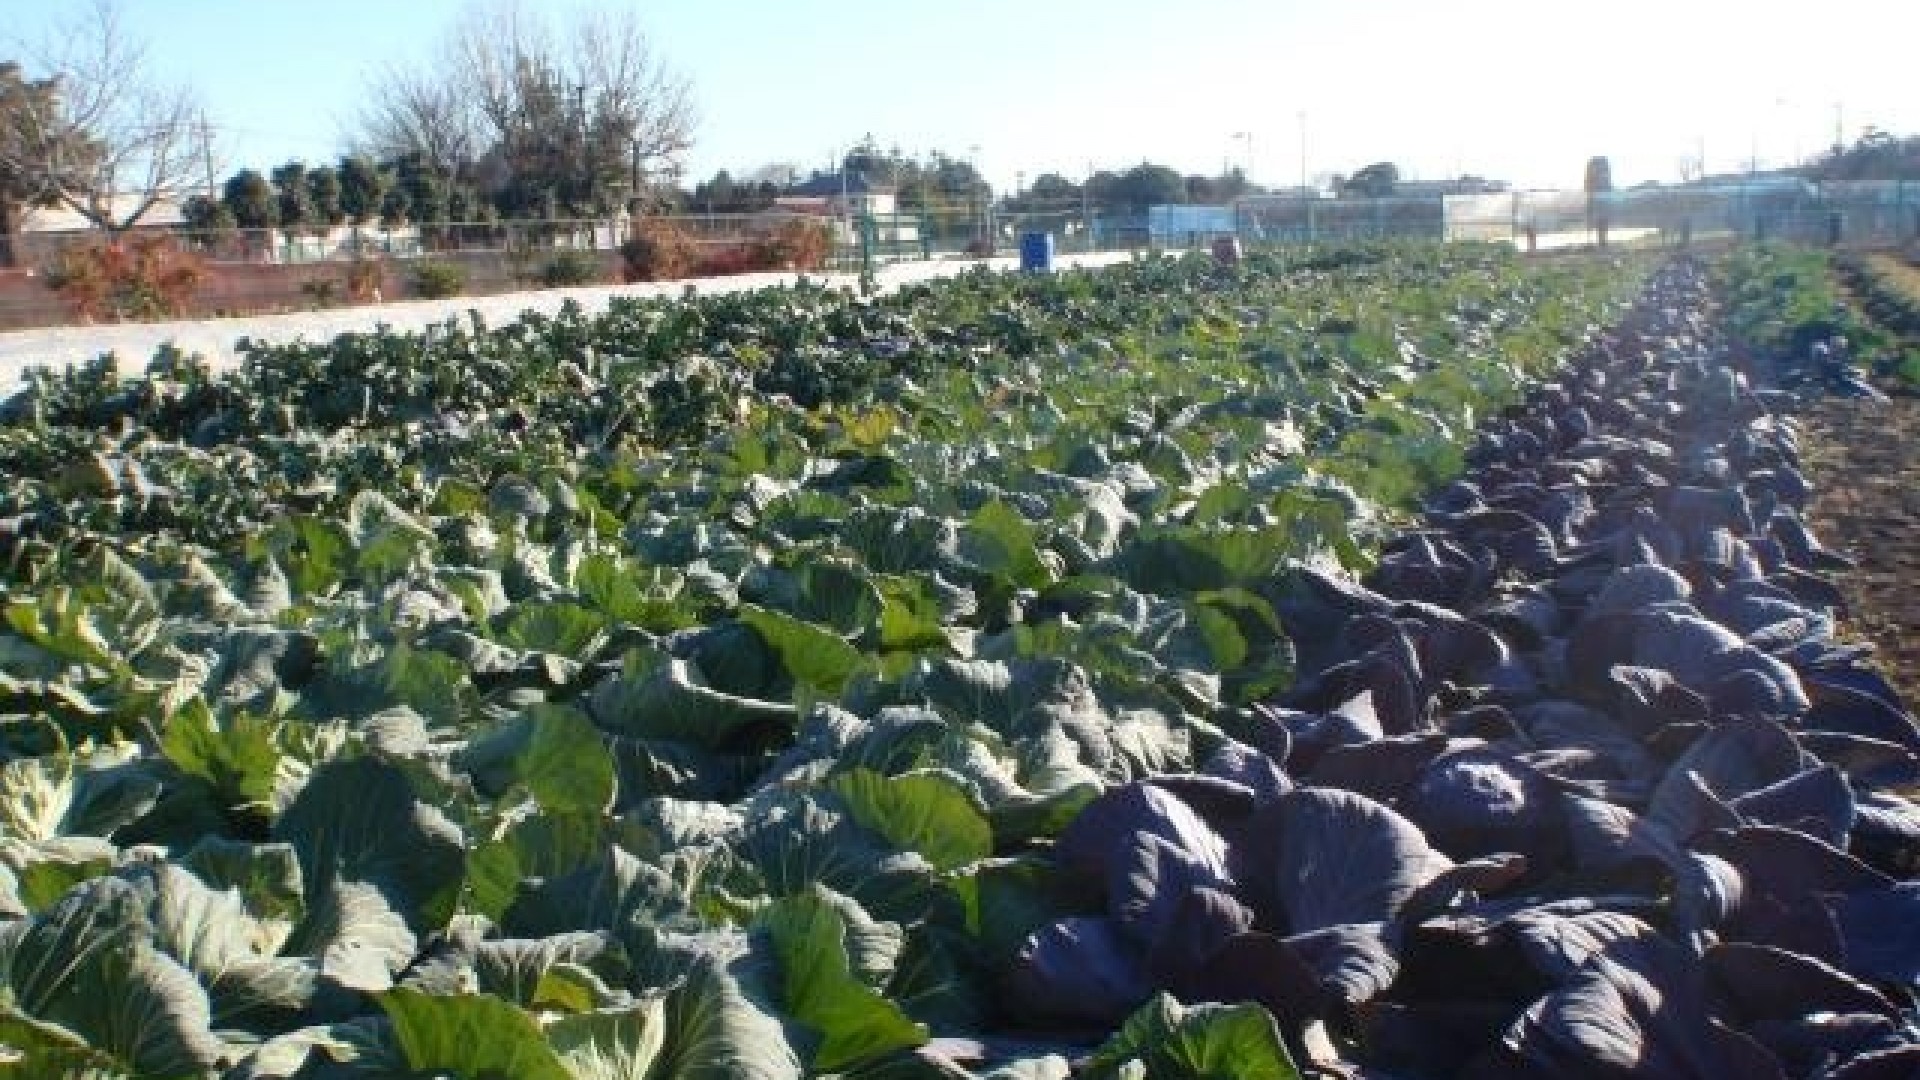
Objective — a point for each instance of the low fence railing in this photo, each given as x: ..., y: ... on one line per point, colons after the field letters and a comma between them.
x: 267, y: 268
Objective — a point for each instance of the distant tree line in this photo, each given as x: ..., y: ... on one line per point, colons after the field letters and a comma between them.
x: 1875, y: 155
x: 300, y: 200
x: 1132, y: 190
x: 940, y: 183
x: 513, y: 118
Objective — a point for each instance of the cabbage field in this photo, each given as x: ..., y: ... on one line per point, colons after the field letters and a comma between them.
x: 1376, y: 662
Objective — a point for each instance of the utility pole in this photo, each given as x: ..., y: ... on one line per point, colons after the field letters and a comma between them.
x: 1303, y: 152
x: 982, y: 227
x: 206, y: 152
x: 1247, y: 159
x: 633, y: 181
x: 585, y: 194
x: 1086, y: 208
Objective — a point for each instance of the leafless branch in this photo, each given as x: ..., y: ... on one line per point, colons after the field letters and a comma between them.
x: 114, y: 142
x: 489, y: 51
x: 639, y: 97
x: 497, y: 76
x: 419, y: 111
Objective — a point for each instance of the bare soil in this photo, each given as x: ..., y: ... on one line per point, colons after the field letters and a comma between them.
x: 1863, y: 460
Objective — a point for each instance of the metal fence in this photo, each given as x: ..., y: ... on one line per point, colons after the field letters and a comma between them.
x: 1297, y: 220
x: 1789, y: 209
x: 1765, y: 208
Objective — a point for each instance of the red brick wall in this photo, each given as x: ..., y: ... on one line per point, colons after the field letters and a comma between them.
x: 259, y: 288
x: 26, y: 301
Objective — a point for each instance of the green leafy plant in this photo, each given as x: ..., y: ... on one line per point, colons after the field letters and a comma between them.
x: 434, y: 279
x: 1888, y: 289
x: 570, y: 267
x: 711, y: 687
x: 1782, y: 300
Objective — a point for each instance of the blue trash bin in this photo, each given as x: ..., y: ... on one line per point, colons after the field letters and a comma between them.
x: 1036, y: 252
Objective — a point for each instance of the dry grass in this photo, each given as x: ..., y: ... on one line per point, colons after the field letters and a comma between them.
x: 1897, y: 272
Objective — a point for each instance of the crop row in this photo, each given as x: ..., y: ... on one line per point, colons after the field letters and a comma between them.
x: 1787, y: 304
x: 1579, y: 781
x: 691, y: 689
x: 1888, y: 288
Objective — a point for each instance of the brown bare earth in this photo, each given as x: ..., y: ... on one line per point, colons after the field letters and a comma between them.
x: 1863, y: 460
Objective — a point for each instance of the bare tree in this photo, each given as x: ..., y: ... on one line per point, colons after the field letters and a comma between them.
x: 637, y: 101
x: 110, y: 142
x: 419, y: 112
x: 573, y: 122
x: 491, y: 53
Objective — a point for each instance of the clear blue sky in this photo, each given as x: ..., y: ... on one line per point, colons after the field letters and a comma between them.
x: 1522, y: 90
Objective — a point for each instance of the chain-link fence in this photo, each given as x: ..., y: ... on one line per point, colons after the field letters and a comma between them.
x: 264, y: 269
x: 1297, y: 220
x: 1763, y: 208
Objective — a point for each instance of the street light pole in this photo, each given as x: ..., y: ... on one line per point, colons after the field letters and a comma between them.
x: 982, y: 224
x: 1247, y: 158
x: 1305, y: 195
x: 1086, y: 209
x: 1303, y: 151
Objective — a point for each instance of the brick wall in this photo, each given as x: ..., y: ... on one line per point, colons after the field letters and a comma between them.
x: 233, y: 288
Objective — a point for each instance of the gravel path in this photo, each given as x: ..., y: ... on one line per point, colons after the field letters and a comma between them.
x: 133, y: 343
